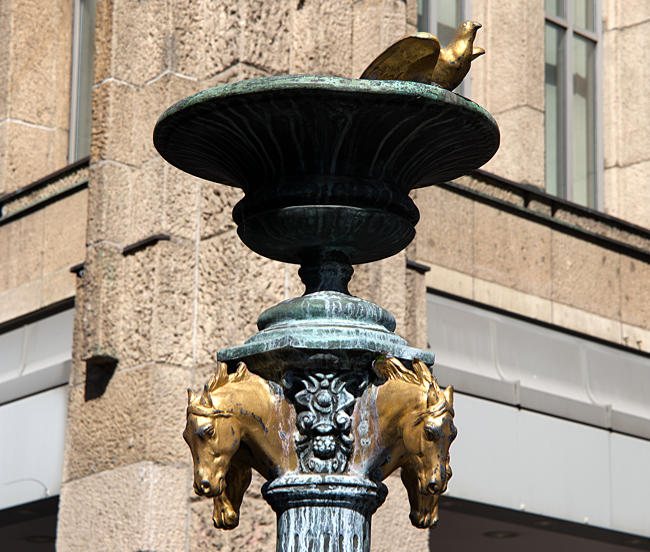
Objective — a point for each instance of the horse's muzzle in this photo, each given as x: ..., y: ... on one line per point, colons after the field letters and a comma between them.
x: 437, y: 486
x: 434, y: 487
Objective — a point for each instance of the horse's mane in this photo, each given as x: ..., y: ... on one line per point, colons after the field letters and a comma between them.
x: 391, y: 368
x: 201, y: 403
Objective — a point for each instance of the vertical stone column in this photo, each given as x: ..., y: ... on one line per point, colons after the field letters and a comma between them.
x: 625, y: 130
x: 126, y: 474
x: 515, y: 29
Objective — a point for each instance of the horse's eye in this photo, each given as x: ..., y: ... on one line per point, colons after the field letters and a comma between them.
x: 432, y: 432
x: 206, y: 431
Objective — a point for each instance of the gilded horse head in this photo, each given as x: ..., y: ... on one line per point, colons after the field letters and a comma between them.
x: 416, y: 427
x: 213, y: 444
x: 230, y: 410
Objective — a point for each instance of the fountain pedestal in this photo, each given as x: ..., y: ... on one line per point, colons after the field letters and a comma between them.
x: 326, y: 165
x: 324, y: 512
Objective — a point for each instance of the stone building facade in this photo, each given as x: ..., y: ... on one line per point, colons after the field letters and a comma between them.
x: 160, y: 280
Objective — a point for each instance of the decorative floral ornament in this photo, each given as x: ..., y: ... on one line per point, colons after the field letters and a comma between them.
x: 324, y: 406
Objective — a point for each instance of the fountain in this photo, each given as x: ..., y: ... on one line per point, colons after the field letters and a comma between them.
x: 325, y: 401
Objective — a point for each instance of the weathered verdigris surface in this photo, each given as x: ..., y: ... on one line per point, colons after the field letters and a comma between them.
x: 326, y: 165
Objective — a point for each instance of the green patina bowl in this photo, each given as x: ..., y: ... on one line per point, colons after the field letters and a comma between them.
x: 326, y: 163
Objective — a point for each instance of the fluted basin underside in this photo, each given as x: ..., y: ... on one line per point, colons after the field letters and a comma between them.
x: 314, y: 142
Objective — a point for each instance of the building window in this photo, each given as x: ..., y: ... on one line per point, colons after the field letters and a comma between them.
x: 82, y: 79
x: 572, y: 115
x: 441, y: 18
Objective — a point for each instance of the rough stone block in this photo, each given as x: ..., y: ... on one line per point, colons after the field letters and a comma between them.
x: 6, y: 233
x: 139, y: 308
x: 23, y: 250
x: 39, y: 78
x: 57, y: 286
x: 393, y: 24
x: 217, y: 202
x: 206, y: 37
x: 149, y: 102
x: 635, y: 291
x: 515, y: 29
x: 235, y: 285
x: 384, y: 283
x: 112, y: 122
x: 103, y: 43
x: 480, y: 90
x: 627, y: 194
x: 137, y: 507
x: 234, y: 73
x: 64, y: 243
x: 3, y: 157
x: 5, y: 49
x: 445, y: 231
x: 521, y: 154
x: 139, y: 416
x: 367, y: 41
x: 182, y: 193
x: 627, y: 12
x: 60, y: 147
x: 611, y: 97
x: 100, y: 310
x: 634, y: 133
x: 78, y: 368
x: 321, y: 41
x: 144, y: 212
x: 266, y: 34
x: 30, y: 154
x: 415, y: 319
x: 173, y: 325
x: 20, y: 300
x: 140, y: 278
x: 255, y: 533
x: 391, y: 528
x: 128, y: 204
x: 141, y: 40
x: 109, y: 201
x: 511, y: 250
x: 585, y: 276
x: 412, y: 12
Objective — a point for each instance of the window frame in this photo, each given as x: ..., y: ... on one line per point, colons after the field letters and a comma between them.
x: 79, y: 26
x: 569, y: 30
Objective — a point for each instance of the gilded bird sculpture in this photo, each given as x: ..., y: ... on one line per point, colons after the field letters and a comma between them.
x: 420, y: 58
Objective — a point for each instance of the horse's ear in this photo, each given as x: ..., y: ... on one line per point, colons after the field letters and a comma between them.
x: 220, y: 376
x: 433, y: 395
x: 240, y: 374
x: 191, y: 396
x: 449, y: 395
x: 205, y: 399
x: 422, y: 372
